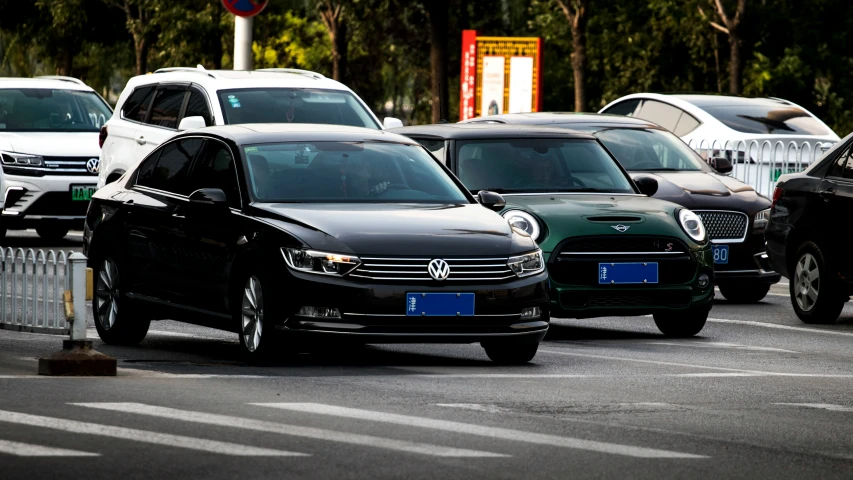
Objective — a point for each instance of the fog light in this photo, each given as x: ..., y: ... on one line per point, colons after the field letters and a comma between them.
x: 531, y: 312
x: 319, y: 312
x: 703, y: 280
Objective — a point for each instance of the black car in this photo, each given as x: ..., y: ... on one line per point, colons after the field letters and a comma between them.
x: 281, y: 231
x: 806, y: 238
x: 733, y: 212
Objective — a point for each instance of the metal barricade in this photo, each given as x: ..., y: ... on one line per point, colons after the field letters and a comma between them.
x: 760, y: 163
x: 32, y: 284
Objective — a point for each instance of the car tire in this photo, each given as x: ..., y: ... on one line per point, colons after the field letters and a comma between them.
x: 682, y: 324
x: 815, y: 294
x: 52, y: 232
x: 253, y: 302
x: 510, y: 353
x: 742, y: 292
x: 116, y: 319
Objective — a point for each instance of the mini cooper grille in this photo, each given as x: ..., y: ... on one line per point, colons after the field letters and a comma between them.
x: 390, y: 269
x: 724, y: 225
x: 621, y: 243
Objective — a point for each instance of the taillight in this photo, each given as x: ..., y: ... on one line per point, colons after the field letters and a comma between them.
x: 777, y: 193
x: 102, y: 137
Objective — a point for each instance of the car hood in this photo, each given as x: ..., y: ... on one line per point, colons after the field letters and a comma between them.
x: 55, y: 144
x: 399, y: 229
x: 573, y: 215
x: 698, y: 190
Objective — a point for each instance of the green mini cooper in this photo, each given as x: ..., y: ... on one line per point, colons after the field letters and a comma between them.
x: 611, y: 249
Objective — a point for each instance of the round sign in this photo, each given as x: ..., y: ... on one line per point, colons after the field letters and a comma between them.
x: 245, y: 8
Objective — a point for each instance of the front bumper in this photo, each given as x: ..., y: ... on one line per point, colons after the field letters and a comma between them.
x: 376, y: 313
x: 748, y: 262
x: 32, y: 201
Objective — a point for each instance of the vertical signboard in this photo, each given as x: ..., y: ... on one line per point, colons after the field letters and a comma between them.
x: 468, y: 74
x: 520, y: 84
x: 492, y: 90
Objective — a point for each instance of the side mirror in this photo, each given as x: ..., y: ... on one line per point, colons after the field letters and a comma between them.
x: 209, y: 199
x: 647, y: 185
x: 391, y: 122
x: 720, y: 164
x: 491, y: 200
x: 191, y: 123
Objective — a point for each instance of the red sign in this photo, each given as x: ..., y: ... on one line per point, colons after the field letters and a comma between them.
x: 244, y: 8
x: 468, y: 74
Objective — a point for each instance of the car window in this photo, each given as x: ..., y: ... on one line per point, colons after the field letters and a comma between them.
x: 436, y: 147
x: 146, y: 168
x: 167, y: 106
x: 197, y: 107
x: 837, y: 167
x: 136, y: 106
x: 686, y: 124
x: 51, y: 110
x: 766, y: 119
x: 539, y: 165
x: 640, y: 150
x: 661, y: 113
x: 215, y: 168
x: 372, y: 172
x: 170, y: 172
x: 628, y: 107
x: 292, y: 105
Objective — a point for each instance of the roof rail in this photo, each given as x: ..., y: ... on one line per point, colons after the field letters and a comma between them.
x: 199, y: 69
x: 294, y: 71
x: 64, y: 79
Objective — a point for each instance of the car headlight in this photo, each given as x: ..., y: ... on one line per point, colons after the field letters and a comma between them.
x: 523, y: 221
x: 692, y: 224
x: 323, y: 263
x: 21, y: 159
x: 527, y: 264
x: 761, y: 219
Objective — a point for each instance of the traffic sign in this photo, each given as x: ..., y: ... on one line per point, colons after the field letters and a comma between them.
x: 245, y: 8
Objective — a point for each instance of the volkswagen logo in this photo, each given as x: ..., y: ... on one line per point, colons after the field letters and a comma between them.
x: 92, y: 165
x: 620, y: 228
x: 438, y: 269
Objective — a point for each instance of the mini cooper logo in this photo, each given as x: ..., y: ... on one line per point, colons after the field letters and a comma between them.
x: 92, y: 165
x: 620, y: 228
x: 438, y: 269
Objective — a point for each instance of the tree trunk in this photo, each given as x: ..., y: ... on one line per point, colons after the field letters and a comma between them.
x: 67, y: 59
x: 340, y: 66
x: 579, y: 64
x: 438, y: 58
x: 735, y: 83
x: 141, y: 47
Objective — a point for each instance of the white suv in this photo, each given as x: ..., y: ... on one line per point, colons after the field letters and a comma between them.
x: 49, y: 152
x: 154, y: 107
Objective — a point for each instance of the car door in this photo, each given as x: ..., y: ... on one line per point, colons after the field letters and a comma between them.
x: 162, y: 121
x: 831, y: 202
x: 124, y: 129
x: 154, y: 222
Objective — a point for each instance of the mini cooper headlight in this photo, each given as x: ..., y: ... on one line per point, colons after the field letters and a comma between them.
x: 527, y: 264
x: 523, y: 221
x: 692, y: 224
x: 323, y: 263
x: 761, y: 219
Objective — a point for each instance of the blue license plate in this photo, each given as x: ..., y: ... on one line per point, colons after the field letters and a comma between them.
x: 440, y: 304
x: 627, y: 272
x: 721, y: 253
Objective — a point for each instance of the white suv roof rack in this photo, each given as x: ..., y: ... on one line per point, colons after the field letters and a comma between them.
x: 294, y: 70
x: 199, y: 69
x: 64, y: 79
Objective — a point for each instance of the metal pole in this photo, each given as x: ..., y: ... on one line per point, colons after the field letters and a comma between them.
x: 78, y: 295
x: 242, y: 43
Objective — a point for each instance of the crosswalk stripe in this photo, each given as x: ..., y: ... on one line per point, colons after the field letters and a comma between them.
x: 29, y: 450
x: 73, y: 426
x: 483, y: 431
x: 293, y: 430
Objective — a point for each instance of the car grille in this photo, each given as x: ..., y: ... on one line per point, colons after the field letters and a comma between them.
x: 648, y: 298
x: 66, y: 166
x: 722, y: 226
x: 621, y: 244
x: 390, y: 269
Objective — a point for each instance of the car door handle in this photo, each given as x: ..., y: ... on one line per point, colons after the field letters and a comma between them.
x: 141, y: 140
x: 178, y: 216
x: 829, y: 192
x: 128, y: 202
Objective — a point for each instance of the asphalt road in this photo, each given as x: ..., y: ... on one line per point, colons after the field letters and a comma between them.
x: 757, y: 394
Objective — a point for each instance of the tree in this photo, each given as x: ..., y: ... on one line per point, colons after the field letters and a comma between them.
x: 576, y: 14
x: 141, y: 25
x: 438, y: 12
x: 332, y: 15
x: 731, y: 27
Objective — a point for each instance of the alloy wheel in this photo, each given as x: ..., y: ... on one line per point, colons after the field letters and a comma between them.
x: 252, y: 314
x: 807, y: 282
x: 108, y: 294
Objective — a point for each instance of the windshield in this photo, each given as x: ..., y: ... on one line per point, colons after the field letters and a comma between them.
x: 291, y: 105
x: 539, y: 165
x: 650, y: 150
x: 768, y: 119
x: 370, y: 172
x: 51, y: 110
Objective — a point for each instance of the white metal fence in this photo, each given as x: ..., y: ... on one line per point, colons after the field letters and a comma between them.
x: 32, y: 285
x: 760, y: 162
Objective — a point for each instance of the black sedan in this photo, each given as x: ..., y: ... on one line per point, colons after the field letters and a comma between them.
x: 733, y: 212
x: 278, y: 232
x: 806, y: 237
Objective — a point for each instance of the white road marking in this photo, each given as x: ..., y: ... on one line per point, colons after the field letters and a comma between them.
x: 29, y: 450
x: 93, y: 333
x: 474, y: 406
x: 480, y: 430
x: 780, y: 327
x: 293, y: 430
x: 144, y: 436
x: 823, y: 406
x: 735, y: 346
